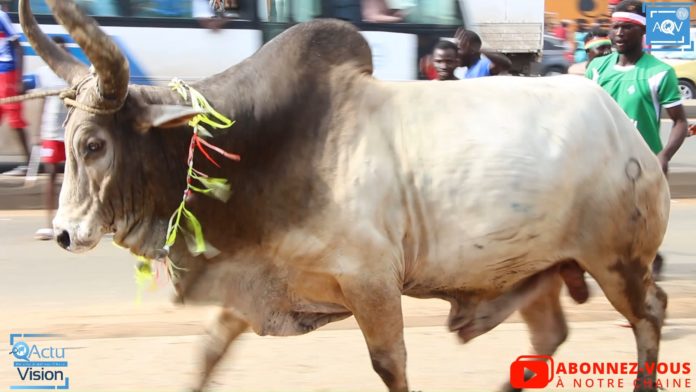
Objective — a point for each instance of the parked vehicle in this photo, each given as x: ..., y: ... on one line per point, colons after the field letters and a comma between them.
x: 684, y: 64
x: 553, y: 58
x: 515, y: 28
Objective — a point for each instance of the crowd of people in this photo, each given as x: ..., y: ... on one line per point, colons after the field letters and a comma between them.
x: 639, y: 82
x: 574, y: 33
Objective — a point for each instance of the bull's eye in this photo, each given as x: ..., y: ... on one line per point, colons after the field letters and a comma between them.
x: 94, y: 146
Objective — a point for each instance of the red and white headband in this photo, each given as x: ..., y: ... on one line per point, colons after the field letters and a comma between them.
x: 629, y: 17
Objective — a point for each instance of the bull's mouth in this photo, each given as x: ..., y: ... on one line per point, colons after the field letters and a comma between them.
x: 131, y: 238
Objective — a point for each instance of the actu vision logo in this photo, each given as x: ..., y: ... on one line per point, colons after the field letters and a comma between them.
x: 38, y: 366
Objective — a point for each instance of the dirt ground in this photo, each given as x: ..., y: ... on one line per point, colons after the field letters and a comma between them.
x: 153, y: 347
x: 114, y: 344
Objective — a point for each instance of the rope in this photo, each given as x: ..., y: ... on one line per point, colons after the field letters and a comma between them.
x: 72, y: 102
x: 34, y: 95
x: 68, y: 96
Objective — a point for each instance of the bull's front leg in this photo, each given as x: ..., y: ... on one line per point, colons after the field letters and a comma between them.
x: 220, y: 334
x: 376, y: 305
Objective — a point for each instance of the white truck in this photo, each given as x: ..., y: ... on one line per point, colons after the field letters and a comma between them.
x: 512, y: 27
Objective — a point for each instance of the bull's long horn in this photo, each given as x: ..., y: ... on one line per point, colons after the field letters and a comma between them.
x: 61, y: 62
x: 109, y: 63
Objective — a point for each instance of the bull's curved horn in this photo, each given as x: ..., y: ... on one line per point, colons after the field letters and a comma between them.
x: 62, y: 63
x: 109, y: 63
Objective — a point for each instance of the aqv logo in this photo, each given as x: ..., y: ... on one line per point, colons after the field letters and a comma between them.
x: 667, y: 26
x: 531, y: 371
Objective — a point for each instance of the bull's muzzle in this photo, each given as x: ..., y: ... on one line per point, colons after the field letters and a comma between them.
x: 63, y: 239
x: 76, y: 238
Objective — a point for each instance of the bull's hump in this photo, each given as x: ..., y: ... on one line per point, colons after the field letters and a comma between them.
x: 328, y: 42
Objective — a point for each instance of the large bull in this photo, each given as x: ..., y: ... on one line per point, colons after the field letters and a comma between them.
x: 352, y: 192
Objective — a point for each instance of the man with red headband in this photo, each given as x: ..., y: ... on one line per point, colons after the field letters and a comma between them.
x: 641, y: 84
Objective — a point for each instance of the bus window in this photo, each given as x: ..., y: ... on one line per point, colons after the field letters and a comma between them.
x: 161, y: 8
x: 438, y: 12
x: 37, y: 7
x: 228, y: 9
x: 349, y: 10
x: 288, y: 11
x: 100, y: 7
x: 142, y: 8
x: 92, y: 7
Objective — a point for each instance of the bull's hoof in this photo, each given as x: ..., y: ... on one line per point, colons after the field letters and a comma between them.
x: 657, y: 267
x: 508, y: 388
x: 645, y: 386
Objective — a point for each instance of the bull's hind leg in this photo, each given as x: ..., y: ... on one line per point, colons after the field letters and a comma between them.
x: 220, y: 335
x: 629, y: 286
x: 547, y: 325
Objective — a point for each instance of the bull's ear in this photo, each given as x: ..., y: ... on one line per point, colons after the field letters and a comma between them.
x: 165, y: 116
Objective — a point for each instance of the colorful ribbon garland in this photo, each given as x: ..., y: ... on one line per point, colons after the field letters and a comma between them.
x: 217, y: 188
x: 196, y: 181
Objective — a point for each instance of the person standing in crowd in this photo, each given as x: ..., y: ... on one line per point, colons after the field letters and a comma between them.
x: 52, y: 134
x: 561, y: 30
x: 580, y: 34
x: 597, y: 44
x: 642, y: 85
x: 445, y: 60
x: 11, y: 85
x: 479, y: 62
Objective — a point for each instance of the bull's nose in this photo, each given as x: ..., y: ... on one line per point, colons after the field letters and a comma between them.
x: 63, y: 239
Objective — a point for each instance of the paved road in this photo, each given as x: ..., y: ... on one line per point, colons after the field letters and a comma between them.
x: 114, y: 344
x: 685, y: 159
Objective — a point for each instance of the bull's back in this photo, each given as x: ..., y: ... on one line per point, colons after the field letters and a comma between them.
x: 498, y: 169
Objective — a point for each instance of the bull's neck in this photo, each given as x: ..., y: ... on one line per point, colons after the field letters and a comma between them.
x: 282, y: 127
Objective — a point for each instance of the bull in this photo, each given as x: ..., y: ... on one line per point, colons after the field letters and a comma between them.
x: 352, y: 192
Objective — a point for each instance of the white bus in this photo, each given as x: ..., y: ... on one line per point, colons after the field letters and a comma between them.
x: 164, y: 39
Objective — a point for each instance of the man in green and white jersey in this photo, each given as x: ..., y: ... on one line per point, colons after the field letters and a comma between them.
x: 641, y: 84
x: 641, y: 90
